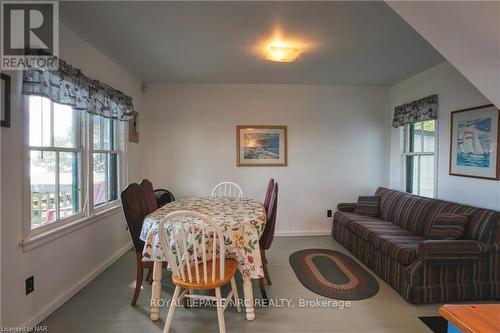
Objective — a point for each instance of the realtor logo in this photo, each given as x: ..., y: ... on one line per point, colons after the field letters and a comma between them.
x: 30, y: 35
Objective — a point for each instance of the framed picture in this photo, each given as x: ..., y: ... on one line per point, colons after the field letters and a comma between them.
x: 5, y: 101
x: 475, y: 139
x: 133, y: 129
x: 258, y: 145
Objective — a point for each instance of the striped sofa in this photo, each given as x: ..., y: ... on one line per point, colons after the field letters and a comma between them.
x: 396, y: 247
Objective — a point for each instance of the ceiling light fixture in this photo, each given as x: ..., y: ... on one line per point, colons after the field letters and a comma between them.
x: 281, y: 51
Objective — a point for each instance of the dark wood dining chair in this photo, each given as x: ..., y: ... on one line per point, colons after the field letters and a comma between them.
x: 163, y: 197
x: 267, y: 238
x: 135, y: 210
x: 269, y: 192
x: 149, y: 196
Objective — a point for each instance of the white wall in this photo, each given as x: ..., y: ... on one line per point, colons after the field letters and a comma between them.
x: 337, y: 144
x: 62, y: 266
x: 455, y: 93
x: 467, y: 33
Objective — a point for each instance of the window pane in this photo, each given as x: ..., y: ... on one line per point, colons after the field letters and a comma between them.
x: 43, y: 183
x: 39, y: 121
x: 412, y: 174
x: 420, y: 176
x: 69, y: 188
x: 416, y: 137
x: 64, y: 126
x: 113, y: 177
x: 99, y: 179
x: 97, y: 135
x: 429, y: 133
x: 423, y: 137
x: 427, y: 176
x: 108, y: 134
x: 104, y: 133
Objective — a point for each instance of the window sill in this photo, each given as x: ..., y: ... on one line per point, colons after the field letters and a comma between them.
x: 33, y: 241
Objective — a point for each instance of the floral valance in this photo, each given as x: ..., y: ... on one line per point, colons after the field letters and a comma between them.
x: 420, y: 110
x: 69, y: 86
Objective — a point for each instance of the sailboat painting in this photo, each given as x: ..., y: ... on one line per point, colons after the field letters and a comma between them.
x: 475, y: 142
x: 474, y: 139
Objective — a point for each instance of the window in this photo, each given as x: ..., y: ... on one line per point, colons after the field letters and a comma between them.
x: 419, y: 158
x: 105, y: 161
x: 74, y: 157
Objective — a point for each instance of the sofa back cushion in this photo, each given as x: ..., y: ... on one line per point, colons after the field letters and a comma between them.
x: 415, y: 214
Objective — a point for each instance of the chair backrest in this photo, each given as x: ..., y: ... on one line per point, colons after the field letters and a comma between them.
x: 266, y: 239
x: 149, y: 196
x: 269, y: 192
x: 163, y: 197
x: 134, y: 209
x: 180, y: 233
x: 227, y: 189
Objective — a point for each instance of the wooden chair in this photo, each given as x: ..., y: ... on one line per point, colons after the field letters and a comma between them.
x: 227, y: 189
x: 269, y: 192
x: 267, y: 237
x: 191, y: 269
x: 149, y: 196
x: 134, y: 208
x: 163, y: 197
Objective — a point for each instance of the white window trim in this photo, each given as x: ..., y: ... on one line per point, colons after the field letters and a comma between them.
x: 90, y: 179
x: 32, y: 238
x: 405, y: 139
x: 35, y: 240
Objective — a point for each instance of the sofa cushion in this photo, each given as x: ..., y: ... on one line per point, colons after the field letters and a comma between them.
x: 411, y: 212
x: 387, y: 237
x: 402, y: 248
x: 367, y: 228
x: 344, y: 218
x: 448, y: 226
x: 483, y: 225
x: 415, y: 214
x: 368, y: 206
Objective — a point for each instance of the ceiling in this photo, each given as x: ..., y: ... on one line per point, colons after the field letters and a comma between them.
x: 348, y: 43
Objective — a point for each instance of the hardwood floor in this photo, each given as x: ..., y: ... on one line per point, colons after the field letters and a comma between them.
x: 104, y: 305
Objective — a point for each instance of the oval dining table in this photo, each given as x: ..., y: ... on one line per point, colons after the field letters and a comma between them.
x: 242, y: 221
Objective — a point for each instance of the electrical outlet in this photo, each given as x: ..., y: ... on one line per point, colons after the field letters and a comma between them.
x: 329, y: 213
x: 30, y: 284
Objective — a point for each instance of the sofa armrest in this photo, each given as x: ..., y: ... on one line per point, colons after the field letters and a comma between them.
x: 346, y: 207
x: 452, y: 250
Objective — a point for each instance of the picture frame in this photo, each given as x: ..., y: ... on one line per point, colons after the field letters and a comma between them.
x: 261, y: 146
x: 5, y: 101
x: 474, y: 142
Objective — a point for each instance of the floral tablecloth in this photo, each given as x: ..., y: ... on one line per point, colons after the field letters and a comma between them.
x: 242, y: 222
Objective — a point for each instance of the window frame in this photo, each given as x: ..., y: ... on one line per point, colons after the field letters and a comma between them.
x: 117, y: 132
x: 407, y: 137
x: 87, y: 212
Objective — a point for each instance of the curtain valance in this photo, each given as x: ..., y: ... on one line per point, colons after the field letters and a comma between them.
x: 420, y: 110
x: 68, y: 85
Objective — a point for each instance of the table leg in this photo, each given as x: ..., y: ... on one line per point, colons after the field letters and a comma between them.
x: 248, y: 291
x: 156, y: 290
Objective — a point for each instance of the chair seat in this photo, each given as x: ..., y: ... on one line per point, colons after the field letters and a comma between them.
x: 230, y: 267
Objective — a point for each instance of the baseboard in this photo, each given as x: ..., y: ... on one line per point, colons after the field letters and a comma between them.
x: 51, y: 307
x: 303, y: 233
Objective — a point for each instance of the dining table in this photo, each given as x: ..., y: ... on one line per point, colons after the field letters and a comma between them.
x: 242, y: 221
